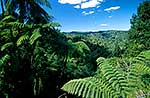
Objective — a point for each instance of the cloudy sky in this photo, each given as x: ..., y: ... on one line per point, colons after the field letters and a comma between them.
x: 93, y: 15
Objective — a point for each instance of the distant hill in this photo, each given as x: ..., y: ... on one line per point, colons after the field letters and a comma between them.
x: 105, y: 34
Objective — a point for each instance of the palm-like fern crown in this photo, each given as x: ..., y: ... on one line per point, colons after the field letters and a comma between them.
x: 29, y: 11
x: 16, y: 34
x: 19, y: 40
x: 115, y: 78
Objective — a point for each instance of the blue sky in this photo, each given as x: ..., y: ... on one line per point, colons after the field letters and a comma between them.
x: 93, y: 15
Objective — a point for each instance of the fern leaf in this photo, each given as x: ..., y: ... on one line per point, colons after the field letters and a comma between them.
x: 36, y: 34
x: 21, y: 25
x: 8, y: 18
x: 6, y: 46
x: 22, y: 39
x: 51, y: 24
x: 44, y: 2
x: 111, y: 81
x: 142, y: 62
x: 88, y: 87
x: 81, y: 46
x: 4, y: 59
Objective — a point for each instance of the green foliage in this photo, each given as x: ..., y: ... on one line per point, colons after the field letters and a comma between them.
x: 31, y: 56
x: 76, y: 55
x: 31, y: 49
x: 36, y: 59
x: 4, y: 59
x: 139, y: 32
x: 112, y: 81
x: 22, y: 39
x: 101, y: 44
x: 81, y: 45
x: 81, y: 48
x: 50, y: 24
x: 7, y: 45
x: 36, y: 34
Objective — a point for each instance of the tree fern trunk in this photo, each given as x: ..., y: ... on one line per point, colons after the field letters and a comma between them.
x: 24, y: 76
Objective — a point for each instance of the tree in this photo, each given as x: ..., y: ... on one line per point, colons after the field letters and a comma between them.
x: 140, y: 31
x: 31, y: 49
x: 25, y: 63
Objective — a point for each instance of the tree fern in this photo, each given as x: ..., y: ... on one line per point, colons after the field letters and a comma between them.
x: 37, y: 85
x: 108, y: 83
x: 36, y: 34
x: 111, y: 81
x: 81, y: 47
x: 8, y: 21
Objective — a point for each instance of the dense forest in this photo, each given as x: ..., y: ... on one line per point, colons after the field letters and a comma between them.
x: 37, y: 60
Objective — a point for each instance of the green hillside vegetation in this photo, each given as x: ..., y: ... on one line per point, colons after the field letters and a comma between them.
x: 37, y: 60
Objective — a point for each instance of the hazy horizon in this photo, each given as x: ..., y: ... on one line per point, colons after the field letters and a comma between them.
x: 94, y: 30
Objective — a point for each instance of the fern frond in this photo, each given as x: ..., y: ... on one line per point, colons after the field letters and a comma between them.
x: 108, y: 83
x: 51, y: 24
x: 113, y: 82
x: 36, y: 34
x: 6, y: 46
x: 44, y: 2
x: 100, y: 60
x: 22, y: 39
x: 19, y: 25
x: 81, y: 46
x: 142, y: 62
x: 82, y: 87
x: 4, y: 59
x: 7, y: 19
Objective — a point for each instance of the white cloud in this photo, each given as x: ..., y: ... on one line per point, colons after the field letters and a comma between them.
x: 91, y: 3
x: 100, y: 0
x: 87, y: 13
x: 112, y: 8
x: 98, y: 6
x: 84, y: 0
x: 77, y: 6
x: 104, y: 25
x: 71, y: 1
x: 83, y: 3
x: 109, y: 16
